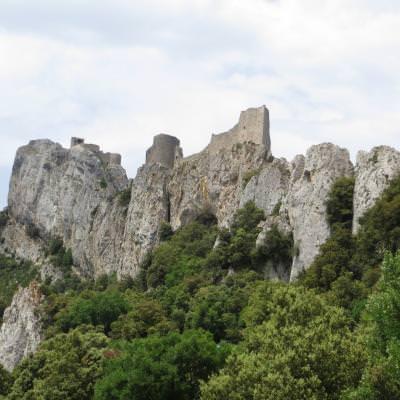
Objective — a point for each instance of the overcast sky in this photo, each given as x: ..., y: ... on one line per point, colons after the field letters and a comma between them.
x: 117, y: 72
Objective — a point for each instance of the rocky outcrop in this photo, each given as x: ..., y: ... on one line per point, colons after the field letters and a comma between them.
x: 373, y: 172
x: 149, y: 206
x: 83, y: 196
x: 312, y: 177
x: 21, y: 331
x: 54, y: 192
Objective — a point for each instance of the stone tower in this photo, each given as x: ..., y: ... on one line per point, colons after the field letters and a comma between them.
x: 165, y: 151
x: 253, y: 126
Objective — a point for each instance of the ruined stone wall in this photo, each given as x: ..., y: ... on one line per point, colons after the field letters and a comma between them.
x: 253, y: 126
x: 165, y: 151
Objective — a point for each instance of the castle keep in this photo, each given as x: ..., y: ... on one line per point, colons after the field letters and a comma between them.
x: 165, y: 151
x: 253, y: 126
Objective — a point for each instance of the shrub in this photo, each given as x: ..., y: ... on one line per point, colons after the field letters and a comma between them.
x: 4, y: 217
x: 161, y: 368
x: 124, y: 197
x: 166, y: 231
x: 94, y: 308
x: 103, y: 183
x: 339, y: 206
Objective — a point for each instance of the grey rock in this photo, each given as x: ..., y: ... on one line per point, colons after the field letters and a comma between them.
x: 311, y: 180
x: 21, y: 331
x: 373, y: 172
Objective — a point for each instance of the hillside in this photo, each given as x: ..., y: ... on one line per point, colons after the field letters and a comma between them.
x: 226, y: 274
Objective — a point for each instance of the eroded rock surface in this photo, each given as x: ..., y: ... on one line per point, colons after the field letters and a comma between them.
x: 312, y: 177
x: 83, y: 196
x: 21, y: 331
x: 373, y: 172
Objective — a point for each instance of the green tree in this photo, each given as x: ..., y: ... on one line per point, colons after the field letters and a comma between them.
x: 95, y: 308
x: 146, y: 317
x: 64, y: 367
x: 216, y: 308
x: 5, y: 381
x: 381, y: 380
x: 296, y: 347
x: 160, y: 368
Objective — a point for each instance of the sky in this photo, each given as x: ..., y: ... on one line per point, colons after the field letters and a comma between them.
x: 119, y: 72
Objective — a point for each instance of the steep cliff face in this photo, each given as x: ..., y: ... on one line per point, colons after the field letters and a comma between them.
x: 213, y: 181
x: 55, y: 192
x: 83, y: 196
x: 311, y: 180
x: 21, y: 331
x: 374, y: 170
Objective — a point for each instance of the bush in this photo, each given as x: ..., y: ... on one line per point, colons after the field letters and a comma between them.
x: 277, y: 249
x: 161, y: 368
x: 94, y: 308
x: 382, y: 377
x: 4, y: 217
x: 296, y: 347
x: 103, y: 183
x: 32, y: 231
x: 339, y: 206
x: 166, y: 231
x: 124, y: 197
x: 64, y: 367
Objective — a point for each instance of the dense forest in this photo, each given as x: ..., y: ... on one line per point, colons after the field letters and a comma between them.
x: 201, y: 322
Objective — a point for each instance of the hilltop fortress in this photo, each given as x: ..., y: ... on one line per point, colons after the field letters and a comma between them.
x: 82, y: 196
x: 253, y: 127
x: 74, y: 194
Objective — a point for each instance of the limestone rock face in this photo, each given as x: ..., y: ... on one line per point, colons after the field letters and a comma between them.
x: 212, y: 181
x: 149, y: 207
x: 311, y: 180
x: 21, y: 331
x: 57, y: 191
x: 373, y: 172
x: 269, y: 186
x: 76, y: 194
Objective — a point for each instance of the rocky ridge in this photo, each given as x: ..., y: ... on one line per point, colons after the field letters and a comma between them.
x: 83, y: 196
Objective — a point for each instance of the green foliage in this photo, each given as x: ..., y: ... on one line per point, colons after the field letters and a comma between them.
x: 32, y: 230
x: 64, y: 367
x: 103, y: 183
x: 339, y: 206
x: 124, y: 197
x: 59, y: 256
x: 247, y: 218
x: 94, y: 308
x: 236, y: 248
x: 12, y: 274
x: 181, y: 255
x: 348, y: 266
x: 296, y: 347
x: 164, y: 368
x: 216, y: 308
x: 277, y: 208
x: 277, y: 248
x: 5, y: 381
x: 380, y: 229
x: 147, y: 317
x: 166, y: 231
x: 381, y: 379
x: 3, y: 218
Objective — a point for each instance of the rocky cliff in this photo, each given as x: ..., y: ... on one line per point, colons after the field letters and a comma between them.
x: 83, y: 196
x: 21, y: 331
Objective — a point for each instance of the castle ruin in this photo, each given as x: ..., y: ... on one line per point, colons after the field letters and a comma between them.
x: 166, y: 151
x: 107, y: 158
x: 253, y: 126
